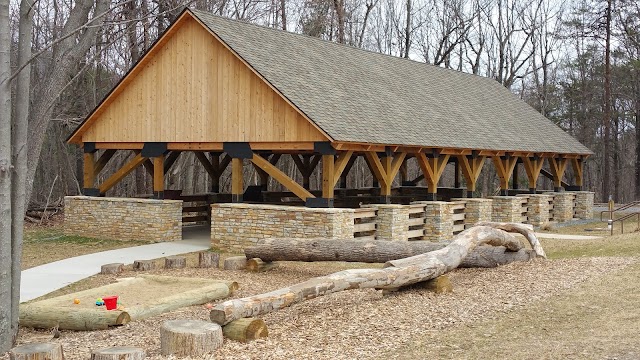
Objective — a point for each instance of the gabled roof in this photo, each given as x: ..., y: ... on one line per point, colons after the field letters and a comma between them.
x: 355, y: 95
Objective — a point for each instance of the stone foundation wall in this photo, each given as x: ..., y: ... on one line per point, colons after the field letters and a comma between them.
x: 236, y: 226
x: 563, y: 206
x: 539, y: 209
x: 584, y: 204
x: 507, y: 209
x: 438, y: 222
x: 392, y: 222
x: 123, y: 218
x: 476, y: 210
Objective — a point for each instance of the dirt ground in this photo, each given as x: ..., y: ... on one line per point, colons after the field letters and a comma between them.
x: 580, y: 304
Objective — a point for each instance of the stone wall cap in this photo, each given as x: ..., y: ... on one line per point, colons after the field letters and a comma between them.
x: 472, y: 199
x: 429, y: 202
x: 280, y: 208
x: 506, y: 197
x: 121, y: 199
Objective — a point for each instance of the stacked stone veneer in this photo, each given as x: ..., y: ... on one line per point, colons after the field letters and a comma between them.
x: 438, y: 222
x: 476, y: 210
x: 563, y: 206
x: 236, y: 226
x: 584, y: 204
x: 507, y: 209
x: 392, y: 222
x: 123, y: 218
x: 539, y: 209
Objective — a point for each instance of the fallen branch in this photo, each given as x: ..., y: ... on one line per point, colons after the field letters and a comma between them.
x: 396, y: 274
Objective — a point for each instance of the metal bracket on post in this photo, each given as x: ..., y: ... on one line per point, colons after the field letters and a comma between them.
x: 238, y: 150
x: 91, y: 192
x: 324, y: 148
x: 89, y: 147
x: 153, y: 149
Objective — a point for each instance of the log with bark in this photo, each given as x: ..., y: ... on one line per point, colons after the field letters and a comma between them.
x: 37, y: 351
x: 395, y: 274
x: 373, y: 251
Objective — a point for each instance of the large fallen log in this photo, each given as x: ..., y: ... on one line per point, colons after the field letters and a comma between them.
x: 374, y: 251
x: 405, y: 272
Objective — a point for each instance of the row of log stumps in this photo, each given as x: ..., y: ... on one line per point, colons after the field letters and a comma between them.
x: 53, y: 351
x: 205, y: 260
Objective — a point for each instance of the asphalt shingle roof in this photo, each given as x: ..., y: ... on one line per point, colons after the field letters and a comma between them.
x: 356, y: 95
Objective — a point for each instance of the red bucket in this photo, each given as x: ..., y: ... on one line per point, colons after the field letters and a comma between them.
x: 111, y: 302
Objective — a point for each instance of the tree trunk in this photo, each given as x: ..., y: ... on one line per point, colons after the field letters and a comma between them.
x: 6, y: 333
x: 66, y: 55
x: 118, y: 353
x: 246, y: 330
x: 372, y: 251
x: 606, y: 119
x: 175, y: 262
x: 193, y: 338
x: 37, y: 351
x: 396, y: 274
x: 19, y: 154
x: 208, y: 259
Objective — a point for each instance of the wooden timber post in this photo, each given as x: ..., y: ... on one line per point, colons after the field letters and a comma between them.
x: 533, y: 166
x: 237, y: 151
x: 306, y: 164
x: 504, y: 168
x: 558, y: 166
x: 89, y: 171
x: 578, y: 165
x: 515, y: 183
x: 471, y: 166
x: 385, y: 170
x: 158, y: 177
x: 328, y: 153
x: 432, y: 166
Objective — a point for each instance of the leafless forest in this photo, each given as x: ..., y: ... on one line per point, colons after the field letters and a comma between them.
x: 577, y: 62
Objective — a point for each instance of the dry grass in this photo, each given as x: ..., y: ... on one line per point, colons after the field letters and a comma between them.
x: 617, y: 245
x: 597, y: 320
x: 48, y: 244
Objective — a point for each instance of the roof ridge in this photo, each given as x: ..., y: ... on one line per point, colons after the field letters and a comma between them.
x: 347, y: 46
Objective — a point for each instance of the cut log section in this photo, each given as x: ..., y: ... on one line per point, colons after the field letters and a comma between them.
x: 208, y: 259
x: 235, y: 263
x: 373, y: 251
x: 144, y: 265
x: 40, y: 316
x: 246, y: 330
x: 396, y: 274
x: 193, y: 338
x: 118, y: 353
x: 115, y: 268
x: 175, y: 262
x: 37, y: 351
x: 257, y: 265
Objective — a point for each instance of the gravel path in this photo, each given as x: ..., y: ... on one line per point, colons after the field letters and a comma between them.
x: 359, y: 324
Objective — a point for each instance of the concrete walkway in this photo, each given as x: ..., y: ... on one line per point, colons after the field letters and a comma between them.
x: 567, y: 236
x: 46, y: 278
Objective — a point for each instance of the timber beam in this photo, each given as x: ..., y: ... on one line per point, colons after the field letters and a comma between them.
x: 504, y: 168
x: 281, y: 177
x: 127, y: 168
x: 471, y: 166
x: 158, y: 177
x: 385, y: 169
x: 345, y: 172
x: 533, y: 166
x: 557, y: 166
x: 306, y: 164
x: 432, y: 167
x: 578, y: 167
x: 264, y: 177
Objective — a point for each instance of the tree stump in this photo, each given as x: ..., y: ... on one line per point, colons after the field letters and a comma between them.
x: 175, y: 262
x: 208, y: 259
x: 257, y: 265
x: 118, y: 353
x: 235, y: 263
x: 144, y: 265
x: 189, y: 337
x: 245, y: 330
x: 37, y: 351
x: 115, y: 268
